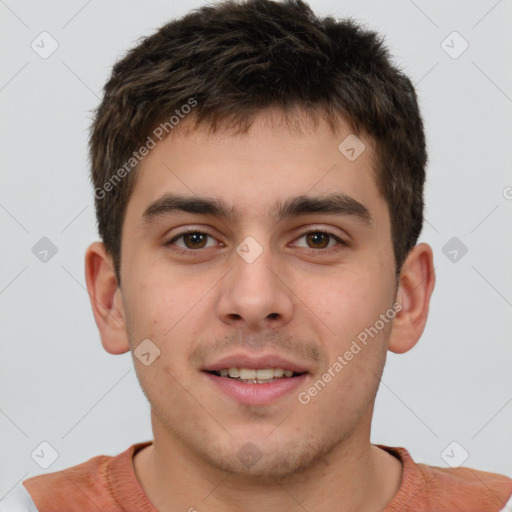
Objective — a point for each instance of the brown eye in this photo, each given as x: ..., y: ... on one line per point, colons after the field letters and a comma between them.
x: 319, y: 239
x: 192, y: 240
x: 196, y: 240
x: 321, y: 242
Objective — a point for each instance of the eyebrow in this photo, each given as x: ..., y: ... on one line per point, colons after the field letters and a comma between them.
x: 332, y: 204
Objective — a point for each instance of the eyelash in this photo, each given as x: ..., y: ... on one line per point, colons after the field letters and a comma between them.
x: 341, y: 242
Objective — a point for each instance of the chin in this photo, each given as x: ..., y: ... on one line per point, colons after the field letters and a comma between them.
x: 259, y: 460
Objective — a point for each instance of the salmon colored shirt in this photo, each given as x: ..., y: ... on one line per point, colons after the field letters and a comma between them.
x: 109, y: 484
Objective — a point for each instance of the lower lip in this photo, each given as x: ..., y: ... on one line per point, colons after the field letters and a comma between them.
x: 256, y: 394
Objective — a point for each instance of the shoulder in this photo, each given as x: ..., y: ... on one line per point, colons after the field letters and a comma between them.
x: 426, y: 487
x: 74, y: 485
x: 75, y: 488
x: 485, y: 491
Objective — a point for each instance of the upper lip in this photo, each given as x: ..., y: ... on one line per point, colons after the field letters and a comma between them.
x: 255, y: 363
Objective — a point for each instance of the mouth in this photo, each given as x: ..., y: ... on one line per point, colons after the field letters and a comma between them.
x: 255, y: 376
x: 250, y: 380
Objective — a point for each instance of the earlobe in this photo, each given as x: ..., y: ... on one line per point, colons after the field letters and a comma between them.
x: 105, y: 296
x: 416, y: 284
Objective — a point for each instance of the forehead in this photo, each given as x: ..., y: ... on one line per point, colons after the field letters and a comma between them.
x: 272, y: 170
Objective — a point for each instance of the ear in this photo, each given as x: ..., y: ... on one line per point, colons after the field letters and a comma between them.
x: 416, y: 284
x: 105, y: 296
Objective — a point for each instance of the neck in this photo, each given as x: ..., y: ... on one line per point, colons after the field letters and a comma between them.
x: 354, y: 476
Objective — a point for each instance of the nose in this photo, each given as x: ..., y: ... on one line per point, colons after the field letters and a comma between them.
x: 255, y: 294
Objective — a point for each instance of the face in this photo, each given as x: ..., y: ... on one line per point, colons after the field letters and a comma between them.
x: 258, y: 290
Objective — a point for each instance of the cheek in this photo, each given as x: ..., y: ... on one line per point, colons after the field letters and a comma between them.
x: 169, y: 310
x: 349, y: 303
x: 159, y: 299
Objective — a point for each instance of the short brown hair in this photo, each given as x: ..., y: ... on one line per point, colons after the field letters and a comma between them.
x: 236, y: 59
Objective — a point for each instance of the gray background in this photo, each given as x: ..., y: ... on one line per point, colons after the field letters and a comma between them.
x: 58, y: 384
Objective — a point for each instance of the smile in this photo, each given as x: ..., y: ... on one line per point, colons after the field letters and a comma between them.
x: 255, y: 387
x: 255, y: 376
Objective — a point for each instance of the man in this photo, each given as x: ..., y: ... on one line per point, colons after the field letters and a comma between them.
x: 258, y: 176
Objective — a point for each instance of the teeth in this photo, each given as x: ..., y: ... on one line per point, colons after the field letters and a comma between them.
x: 246, y: 374
x: 249, y: 374
x: 265, y: 374
x: 233, y: 372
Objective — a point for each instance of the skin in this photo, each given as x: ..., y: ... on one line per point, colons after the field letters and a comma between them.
x: 292, y: 300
